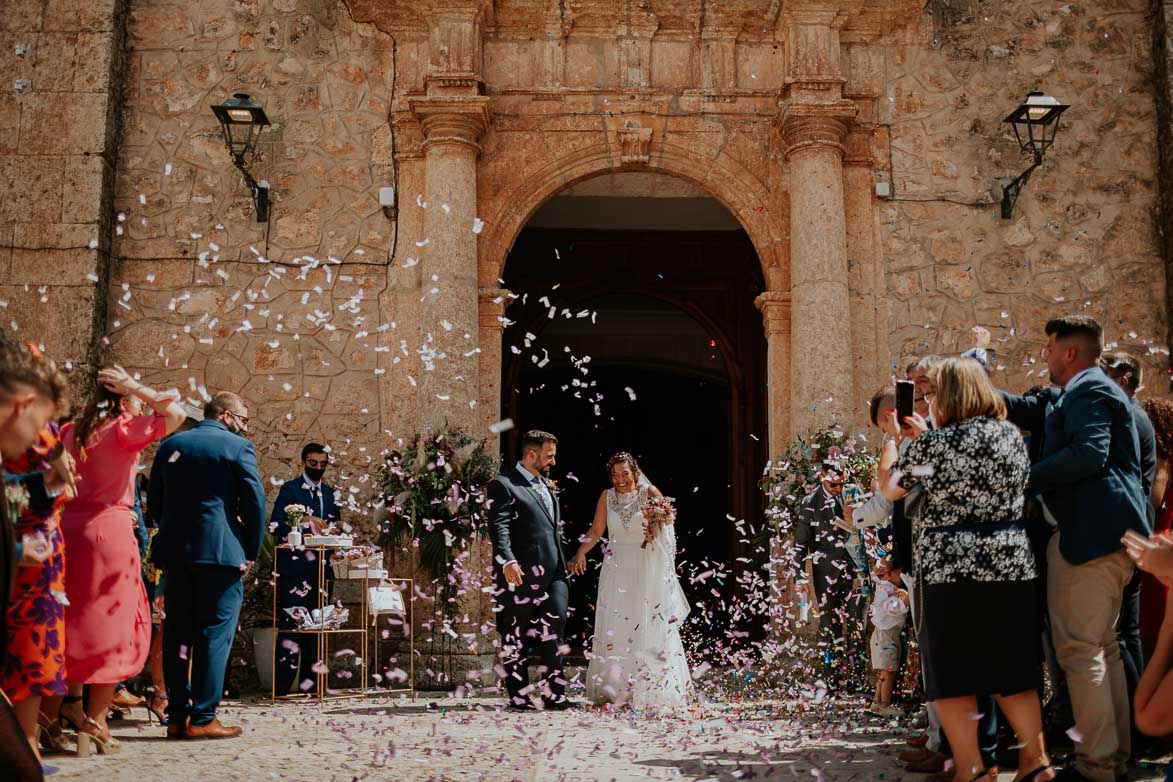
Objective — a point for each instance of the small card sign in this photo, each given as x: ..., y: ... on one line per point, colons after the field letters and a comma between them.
x: 385, y: 600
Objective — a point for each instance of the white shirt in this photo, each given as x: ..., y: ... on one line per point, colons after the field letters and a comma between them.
x: 316, y: 487
x: 888, y: 608
x: 533, y: 477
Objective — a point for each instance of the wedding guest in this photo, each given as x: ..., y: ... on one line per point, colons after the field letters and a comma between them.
x: 1153, y: 594
x: 1125, y: 370
x: 297, y: 570
x: 889, y: 611
x: 32, y: 393
x: 1154, y: 695
x: 207, y: 496
x: 968, y: 590
x: 1089, y: 483
x: 820, y: 539
x: 108, y: 621
x: 33, y: 661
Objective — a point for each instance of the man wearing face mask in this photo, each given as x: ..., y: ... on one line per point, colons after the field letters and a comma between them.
x: 297, y: 570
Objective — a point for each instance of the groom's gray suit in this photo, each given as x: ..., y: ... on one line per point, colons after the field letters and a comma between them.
x: 525, y: 527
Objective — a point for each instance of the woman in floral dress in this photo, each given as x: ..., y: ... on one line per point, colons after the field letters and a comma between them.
x: 976, y: 575
x: 34, y: 661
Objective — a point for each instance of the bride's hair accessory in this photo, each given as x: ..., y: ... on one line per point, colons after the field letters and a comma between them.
x: 623, y: 457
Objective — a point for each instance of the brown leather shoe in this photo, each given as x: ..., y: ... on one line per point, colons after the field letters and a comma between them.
x: 915, y: 755
x: 934, y: 763
x: 125, y: 699
x: 177, y: 731
x: 213, y: 730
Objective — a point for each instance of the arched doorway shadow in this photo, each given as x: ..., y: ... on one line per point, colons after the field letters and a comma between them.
x: 654, y: 347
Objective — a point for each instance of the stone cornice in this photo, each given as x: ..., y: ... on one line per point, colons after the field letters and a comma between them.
x: 816, y: 125
x: 775, y: 309
x: 451, y: 120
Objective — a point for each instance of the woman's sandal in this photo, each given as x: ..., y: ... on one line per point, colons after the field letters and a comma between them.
x: 106, y: 745
x: 1034, y: 774
x: 64, y: 719
x: 157, y: 706
x: 50, y: 736
x: 990, y: 773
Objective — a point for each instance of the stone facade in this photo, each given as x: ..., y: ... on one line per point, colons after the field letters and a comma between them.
x: 342, y: 321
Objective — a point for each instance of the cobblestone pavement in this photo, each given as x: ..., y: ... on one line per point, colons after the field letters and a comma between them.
x: 440, y: 738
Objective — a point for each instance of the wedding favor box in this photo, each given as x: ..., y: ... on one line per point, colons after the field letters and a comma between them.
x: 368, y: 565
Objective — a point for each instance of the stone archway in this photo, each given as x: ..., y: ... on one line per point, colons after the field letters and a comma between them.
x: 630, y: 149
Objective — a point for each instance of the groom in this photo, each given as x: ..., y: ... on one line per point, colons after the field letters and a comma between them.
x: 530, y: 568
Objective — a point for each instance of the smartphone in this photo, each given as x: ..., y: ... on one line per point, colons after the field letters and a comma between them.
x: 905, y: 396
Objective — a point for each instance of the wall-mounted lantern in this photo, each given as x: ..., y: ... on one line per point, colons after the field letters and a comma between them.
x: 242, y: 121
x: 1035, y: 123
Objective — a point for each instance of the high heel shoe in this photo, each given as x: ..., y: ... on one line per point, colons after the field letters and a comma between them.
x: 105, y: 745
x: 157, y: 706
x: 990, y: 773
x: 1032, y: 776
x: 64, y: 719
x: 49, y: 740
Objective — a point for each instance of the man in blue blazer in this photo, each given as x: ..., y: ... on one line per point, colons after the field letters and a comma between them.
x: 207, y: 497
x: 1089, y: 481
x: 297, y: 573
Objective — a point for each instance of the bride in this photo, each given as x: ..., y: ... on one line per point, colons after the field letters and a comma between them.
x: 637, y: 658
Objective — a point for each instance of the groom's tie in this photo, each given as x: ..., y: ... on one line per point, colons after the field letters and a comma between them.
x: 543, y: 495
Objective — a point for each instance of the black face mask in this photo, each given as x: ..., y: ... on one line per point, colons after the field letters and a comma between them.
x: 315, y: 473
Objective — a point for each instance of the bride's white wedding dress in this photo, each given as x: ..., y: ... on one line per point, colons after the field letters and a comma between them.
x: 637, y: 657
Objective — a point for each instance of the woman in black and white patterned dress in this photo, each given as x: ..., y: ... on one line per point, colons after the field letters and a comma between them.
x: 973, y: 561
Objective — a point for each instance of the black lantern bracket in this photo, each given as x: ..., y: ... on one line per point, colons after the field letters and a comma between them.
x: 242, y: 121
x: 1035, y: 123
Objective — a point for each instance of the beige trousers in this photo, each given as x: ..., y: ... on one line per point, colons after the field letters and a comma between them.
x: 1084, y: 604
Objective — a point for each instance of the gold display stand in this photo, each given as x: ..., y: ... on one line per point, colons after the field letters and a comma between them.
x: 323, y: 636
x: 409, y: 622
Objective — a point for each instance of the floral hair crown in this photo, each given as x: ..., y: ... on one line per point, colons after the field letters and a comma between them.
x: 623, y: 457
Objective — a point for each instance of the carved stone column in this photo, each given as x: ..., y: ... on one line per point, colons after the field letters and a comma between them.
x: 449, y: 383
x: 775, y: 308
x: 821, y: 357
x: 868, y: 309
x: 491, y: 322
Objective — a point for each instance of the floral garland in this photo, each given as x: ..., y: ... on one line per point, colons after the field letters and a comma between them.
x: 434, y: 499
x: 790, y: 479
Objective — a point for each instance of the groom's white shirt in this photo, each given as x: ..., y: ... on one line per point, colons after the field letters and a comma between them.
x: 533, y: 477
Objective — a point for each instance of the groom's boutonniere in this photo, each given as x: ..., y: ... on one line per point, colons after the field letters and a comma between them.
x: 552, y: 485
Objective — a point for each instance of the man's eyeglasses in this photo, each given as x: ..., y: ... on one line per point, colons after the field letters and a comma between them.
x: 317, y: 462
x: 243, y: 419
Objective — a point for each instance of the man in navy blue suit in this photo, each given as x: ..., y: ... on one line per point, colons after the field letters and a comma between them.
x: 207, y: 497
x: 297, y: 573
x: 1089, y: 483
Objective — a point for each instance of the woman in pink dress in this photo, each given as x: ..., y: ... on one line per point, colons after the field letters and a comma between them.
x: 108, y: 621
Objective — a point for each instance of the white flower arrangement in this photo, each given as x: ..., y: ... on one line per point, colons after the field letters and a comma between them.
x: 17, y: 497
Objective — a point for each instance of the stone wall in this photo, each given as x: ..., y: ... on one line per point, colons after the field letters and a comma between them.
x: 61, y: 69
x: 1084, y: 234
x: 298, y: 316
x: 1162, y: 22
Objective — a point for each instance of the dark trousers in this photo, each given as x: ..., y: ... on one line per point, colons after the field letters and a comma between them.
x: 533, y: 619
x: 832, y: 577
x: 203, y: 606
x: 297, y: 585
x: 1128, y: 636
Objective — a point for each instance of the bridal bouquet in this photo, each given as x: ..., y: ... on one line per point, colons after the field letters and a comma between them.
x: 657, y: 512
